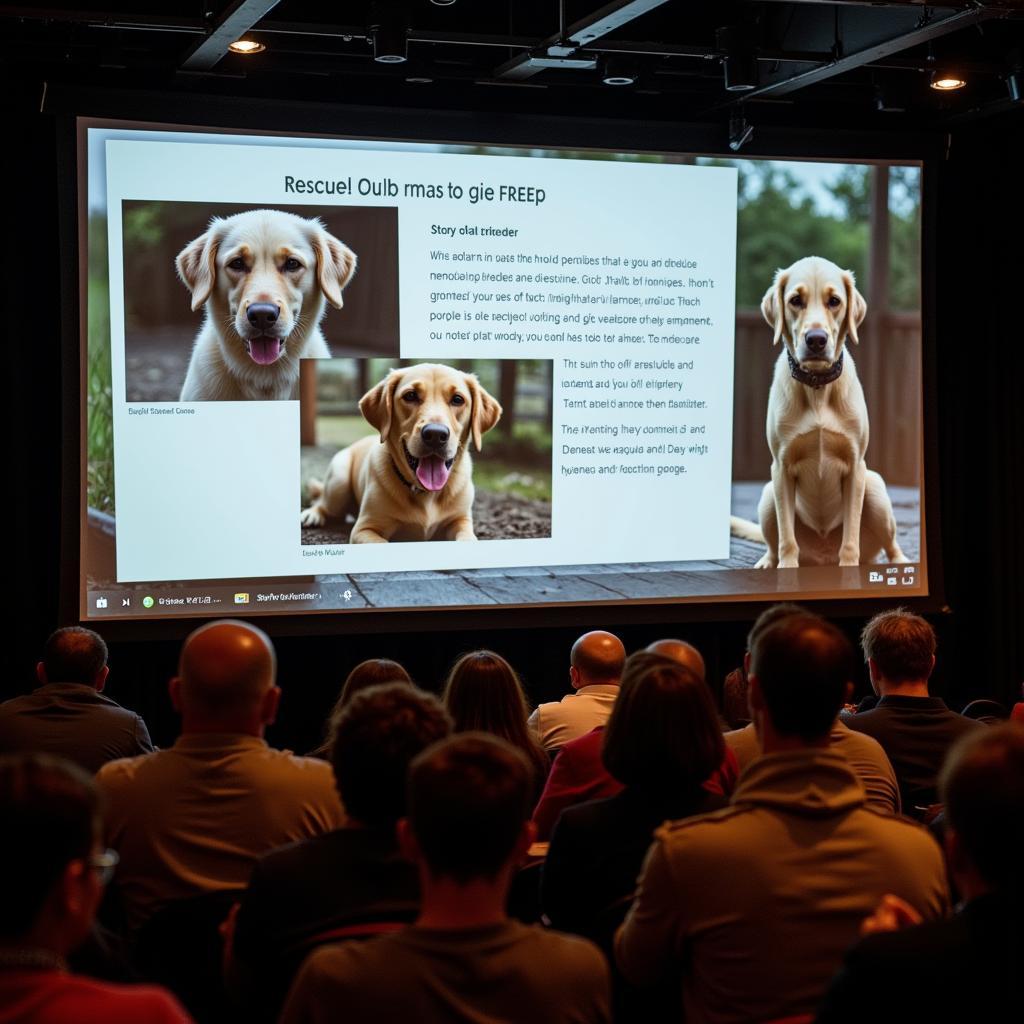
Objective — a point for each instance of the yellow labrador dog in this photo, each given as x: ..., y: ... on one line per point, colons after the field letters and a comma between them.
x: 415, y: 482
x: 823, y: 504
x: 263, y: 277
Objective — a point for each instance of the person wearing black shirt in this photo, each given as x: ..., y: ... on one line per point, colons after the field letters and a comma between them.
x: 915, y: 729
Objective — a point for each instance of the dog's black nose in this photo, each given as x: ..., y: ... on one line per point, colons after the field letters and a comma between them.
x: 816, y: 340
x: 435, y: 435
x: 263, y: 315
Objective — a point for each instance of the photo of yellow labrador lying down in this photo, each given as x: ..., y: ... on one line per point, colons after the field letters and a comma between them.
x: 263, y: 278
x: 413, y: 481
x: 823, y: 506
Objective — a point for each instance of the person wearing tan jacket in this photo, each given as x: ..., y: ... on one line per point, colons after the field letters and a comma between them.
x: 758, y: 902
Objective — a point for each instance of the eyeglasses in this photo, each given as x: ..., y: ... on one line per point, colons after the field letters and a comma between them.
x: 103, y: 864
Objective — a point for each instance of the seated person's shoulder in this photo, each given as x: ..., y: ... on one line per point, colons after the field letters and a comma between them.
x: 124, y: 771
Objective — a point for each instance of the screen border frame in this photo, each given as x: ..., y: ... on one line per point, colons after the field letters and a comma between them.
x: 77, y: 112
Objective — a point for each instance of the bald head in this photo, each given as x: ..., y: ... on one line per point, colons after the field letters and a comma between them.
x: 679, y: 651
x: 597, y: 657
x: 226, y: 670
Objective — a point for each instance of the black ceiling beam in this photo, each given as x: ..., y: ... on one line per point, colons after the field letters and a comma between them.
x: 233, y: 23
x: 924, y: 32
x: 561, y: 50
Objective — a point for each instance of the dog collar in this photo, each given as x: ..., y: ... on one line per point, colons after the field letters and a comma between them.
x: 412, y: 487
x: 815, y: 380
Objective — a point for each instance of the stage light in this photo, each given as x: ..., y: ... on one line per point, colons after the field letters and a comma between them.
x: 741, y: 131
x: 616, y: 71
x: 1015, y: 85
x: 390, y: 43
x: 739, y: 62
x: 246, y: 46
x: 946, y: 81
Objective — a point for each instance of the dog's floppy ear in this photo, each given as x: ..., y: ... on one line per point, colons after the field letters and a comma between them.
x: 856, y: 308
x: 335, y: 265
x: 485, y: 412
x: 377, y: 405
x: 773, y: 308
x: 197, y: 264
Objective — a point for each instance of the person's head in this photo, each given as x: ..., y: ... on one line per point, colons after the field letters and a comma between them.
x: 596, y: 659
x: 681, y: 652
x: 772, y: 614
x: 469, y: 801
x: 899, y: 648
x: 74, y: 655
x: 982, y: 788
x: 735, y: 700
x: 374, y: 737
x: 226, y: 679
x: 51, y: 818
x: 663, y: 732
x: 372, y: 672
x: 800, y: 673
x: 484, y: 693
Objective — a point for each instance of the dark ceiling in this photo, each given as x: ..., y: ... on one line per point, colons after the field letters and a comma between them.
x: 834, y: 64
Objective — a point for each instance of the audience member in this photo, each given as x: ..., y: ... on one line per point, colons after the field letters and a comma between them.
x: 756, y: 903
x: 305, y: 894
x: 194, y: 818
x: 864, y: 754
x: 662, y: 742
x: 53, y: 870
x: 595, y: 665
x: 483, y: 694
x: 67, y: 714
x: 915, y: 729
x: 735, y: 705
x: 969, y: 967
x: 579, y: 774
x: 467, y: 832
x: 372, y: 672
x: 1017, y: 711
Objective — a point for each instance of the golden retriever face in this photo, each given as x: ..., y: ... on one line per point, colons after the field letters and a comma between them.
x: 265, y: 275
x: 426, y: 414
x: 814, y: 306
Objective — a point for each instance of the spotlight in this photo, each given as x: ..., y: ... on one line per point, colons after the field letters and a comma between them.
x: 741, y: 131
x: 1015, y: 86
x: 616, y: 71
x: 246, y: 46
x: 389, y: 31
x: 739, y: 63
x: 390, y: 44
x: 442, y: 3
x: 946, y: 81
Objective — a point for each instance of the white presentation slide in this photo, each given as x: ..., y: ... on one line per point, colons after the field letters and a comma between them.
x: 620, y: 273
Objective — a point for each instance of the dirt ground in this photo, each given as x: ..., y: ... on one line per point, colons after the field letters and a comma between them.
x: 495, y: 517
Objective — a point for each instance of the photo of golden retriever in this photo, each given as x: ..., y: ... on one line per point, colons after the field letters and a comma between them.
x: 414, y: 480
x: 822, y: 506
x: 264, y: 278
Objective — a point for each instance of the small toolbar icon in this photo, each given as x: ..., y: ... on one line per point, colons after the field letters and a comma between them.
x: 241, y: 598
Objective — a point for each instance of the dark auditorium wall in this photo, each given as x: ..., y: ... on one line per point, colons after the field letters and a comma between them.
x: 980, y: 414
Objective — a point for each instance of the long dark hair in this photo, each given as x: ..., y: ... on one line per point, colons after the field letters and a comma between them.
x: 372, y: 672
x: 663, y: 732
x: 483, y: 693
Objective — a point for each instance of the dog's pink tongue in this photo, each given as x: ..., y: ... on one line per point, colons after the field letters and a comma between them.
x: 432, y: 472
x: 265, y: 350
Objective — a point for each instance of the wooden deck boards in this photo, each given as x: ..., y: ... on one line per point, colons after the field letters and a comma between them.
x: 640, y: 581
